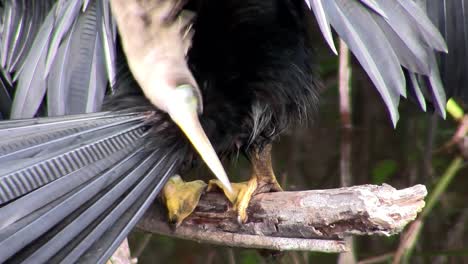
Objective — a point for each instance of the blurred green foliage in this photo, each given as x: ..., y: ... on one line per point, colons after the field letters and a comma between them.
x: 383, y: 171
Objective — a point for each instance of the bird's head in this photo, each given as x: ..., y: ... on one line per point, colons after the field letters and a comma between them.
x: 156, y: 45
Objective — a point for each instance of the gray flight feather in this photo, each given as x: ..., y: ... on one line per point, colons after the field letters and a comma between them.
x: 417, y: 90
x: 33, y: 230
x: 59, y: 78
x: 321, y: 16
x: 429, y: 31
x: 389, y: 36
x: 413, y: 54
x: 452, y: 20
x: 66, y: 20
x: 87, y: 68
x: 35, y: 13
x: 109, y: 221
x: 75, y: 186
x: 127, y: 219
x: 12, y: 36
x: 375, y: 6
x: 372, y: 50
x: 9, y: 26
x: 108, y: 29
x: 31, y: 84
x: 61, y: 54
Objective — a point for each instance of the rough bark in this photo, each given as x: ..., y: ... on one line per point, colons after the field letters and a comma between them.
x: 122, y: 255
x: 306, y: 220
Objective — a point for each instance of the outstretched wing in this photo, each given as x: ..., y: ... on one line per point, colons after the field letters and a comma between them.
x: 451, y: 17
x: 63, y: 51
x: 395, y: 42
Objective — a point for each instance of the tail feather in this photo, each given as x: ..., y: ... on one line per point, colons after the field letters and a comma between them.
x: 44, y: 196
x: 61, y: 159
x: 71, y: 188
x: 57, y: 135
x: 27, y: 123
x: 123, y: 217
x: 104, y: 201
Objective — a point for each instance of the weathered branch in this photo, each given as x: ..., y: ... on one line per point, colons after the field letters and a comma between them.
x: 122, y: 255
x: 306, y: 220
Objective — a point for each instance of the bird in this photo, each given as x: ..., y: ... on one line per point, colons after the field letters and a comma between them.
x: 87, y: 149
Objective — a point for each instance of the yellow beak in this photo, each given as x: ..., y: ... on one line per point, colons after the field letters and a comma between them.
x: 182, y: 108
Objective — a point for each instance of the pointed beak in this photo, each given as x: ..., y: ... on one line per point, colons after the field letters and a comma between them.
x: 182, y: 108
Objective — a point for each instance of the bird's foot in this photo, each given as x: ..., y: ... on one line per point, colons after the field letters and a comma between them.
x: 262, y: 180
x: 181, y: 198
x: 242, y: 193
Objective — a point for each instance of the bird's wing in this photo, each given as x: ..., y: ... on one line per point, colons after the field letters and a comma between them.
x: 72, y: 188
x: 63, y: 51
x: 394, y: 40
x: 451, y: 17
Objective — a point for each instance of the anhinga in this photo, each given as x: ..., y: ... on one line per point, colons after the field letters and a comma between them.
x: 73, y: 186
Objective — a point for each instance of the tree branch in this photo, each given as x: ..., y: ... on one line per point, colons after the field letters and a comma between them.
x: 306, y: 220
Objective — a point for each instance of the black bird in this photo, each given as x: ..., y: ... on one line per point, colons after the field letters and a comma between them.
x: 73, y: 186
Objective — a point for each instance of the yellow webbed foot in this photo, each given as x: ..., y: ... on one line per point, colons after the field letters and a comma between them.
x: 181, y: 198
x: 243, y: 192
x: 262, y: 180
x: 240, y: 196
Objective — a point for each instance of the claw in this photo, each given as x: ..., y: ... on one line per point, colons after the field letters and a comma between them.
x: 262, y: 180
x: 240, y: 196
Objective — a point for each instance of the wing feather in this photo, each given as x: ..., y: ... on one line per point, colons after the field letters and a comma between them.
x: 63, y: 55
x: 373, y: 51
x: 324, y: 24
x: 31, y: 83
x: 391, y: 36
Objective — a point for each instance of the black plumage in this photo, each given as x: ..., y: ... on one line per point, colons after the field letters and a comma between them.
x: 84, y: 181
x: 255, y: 70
